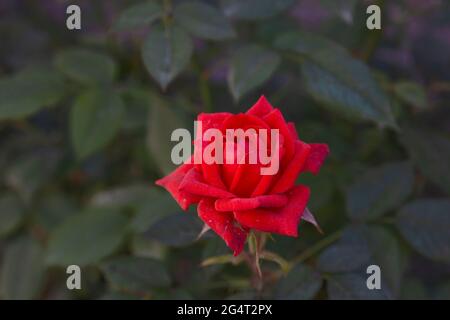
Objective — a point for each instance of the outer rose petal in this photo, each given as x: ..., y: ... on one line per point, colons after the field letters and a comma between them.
x: 172, y: 183
x: 293, y: 169
x: 239, y: 204
x: 260, y: 108
x: 193, y: 184
x: 317, y: 155
x: 211, y: 172
x: 293, y: 130
x: 223, y: 224
x: 281, y: 220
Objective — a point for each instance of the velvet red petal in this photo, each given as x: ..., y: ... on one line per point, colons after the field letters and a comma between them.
x: 282, y: 220
x: 224, y: 225
x: 276, y: 121
x: 293, y: 169
x: 239, y: 204
x: 317, y: 155
x: 293, y: 131
x: 193, y: 184
x: 260, y: 108
x: 172, y: 183
x: 211, y: 172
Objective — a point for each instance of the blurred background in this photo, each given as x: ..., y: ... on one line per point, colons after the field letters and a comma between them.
x: 85, y: 123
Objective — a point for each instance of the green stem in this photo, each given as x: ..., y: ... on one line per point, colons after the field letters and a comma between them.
x: 316, y: 248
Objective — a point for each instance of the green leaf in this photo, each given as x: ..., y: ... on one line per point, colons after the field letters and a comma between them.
x: 342, y: 8
x: 158, y: 205
x: 379, y: 190
x: 87, y: 237
x: 53, y: 210
x: 159, y: 132
x: 361, y: 246
x: 413, y: 289
x: 343, y: 257
x: 23, y: 270
x: 203, y: 21
x: 337, y: 80
x: 430, y: 152
x: 31, y: 172
x: 386, y: 252
x: 11, y: 214
x: 425, y: 224
x: 29, y: 91
x: 86, y: 66
x: 251, y: 66
x: 135, y: 274
x: 254, y: 9
x: 176, y: 230
x: 166, y: 52
x: 411, y: 93
x: 94, y: 120
x: 301, y: 283
x: 351, y: 287
x: 139, y: 15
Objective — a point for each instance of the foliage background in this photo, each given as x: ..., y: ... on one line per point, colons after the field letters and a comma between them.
x: 86, y: 116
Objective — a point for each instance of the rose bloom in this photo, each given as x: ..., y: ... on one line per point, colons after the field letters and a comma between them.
x: 234, y: 199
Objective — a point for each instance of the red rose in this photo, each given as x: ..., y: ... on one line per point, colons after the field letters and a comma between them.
x: 235, y: 198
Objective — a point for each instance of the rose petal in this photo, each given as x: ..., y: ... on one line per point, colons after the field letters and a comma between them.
x: 293, y: 131
x: 172, y: 183
x: 317, y: 155
x: 224, y: 225
x: 276, y: 121
x: 260, y: 108
x: 293, y: 168
x: 282, y: 220
x: 193, y: 184
x: 211, y: 172
x: 239, y: 204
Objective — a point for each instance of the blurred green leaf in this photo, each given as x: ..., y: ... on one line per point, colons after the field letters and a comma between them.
x: 343, y: 257
x: 166, y: 52
x: 28, y: 91
x: 87, y: 237
x: 95, y: 119
x: 361, y: 246
x: 431, y: 153
x: 301, y: 283
x: 341, y: 8
x: 134, y: 274
x: 11, y: 213
x: 425, y: 224
x: 413, y: 289
x: 155, y: 207
x: 159, y: 132
x: 411, y: 93
x: 139, y: 15
x: 203, y: 21
x: 254, y: 9
x: 53, y: 210
x: 123, y: 196
x: 23, y: 270
x: 379, y: 190
x: 251, y: 66
x: 351, y: 287
x: 386, y: 252
x: 86, y: 66
x: 443, y: 291
x: 31, y: 172
x: 333, y: 77
x: 176, y: 230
